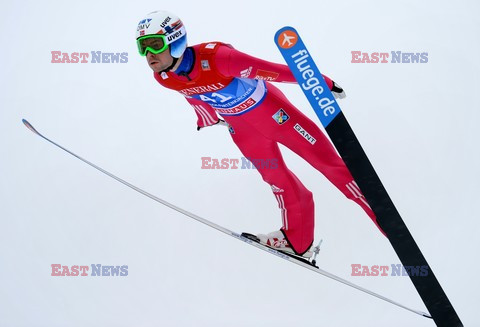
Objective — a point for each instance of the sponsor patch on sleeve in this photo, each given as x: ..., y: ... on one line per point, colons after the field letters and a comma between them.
x: 266, y: 75
x: 210, y: 46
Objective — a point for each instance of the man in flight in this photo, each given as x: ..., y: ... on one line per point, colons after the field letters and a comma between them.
x: 217, y: 79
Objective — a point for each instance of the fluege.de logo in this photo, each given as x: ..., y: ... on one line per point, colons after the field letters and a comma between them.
x: 93, y: 57
x: 393, y: 57
x: 91, y: 270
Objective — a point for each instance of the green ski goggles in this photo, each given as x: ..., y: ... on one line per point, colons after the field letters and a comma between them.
x: 154, y: 43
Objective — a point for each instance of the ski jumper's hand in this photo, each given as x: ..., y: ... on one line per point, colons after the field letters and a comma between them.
x: 337, y: 91
x: 205, y: 113
x: 219, y: 122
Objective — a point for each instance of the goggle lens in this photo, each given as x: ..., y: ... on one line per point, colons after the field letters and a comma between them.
x: 154, y: 43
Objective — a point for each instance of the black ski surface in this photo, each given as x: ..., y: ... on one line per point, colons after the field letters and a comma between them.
x: 343, y: 138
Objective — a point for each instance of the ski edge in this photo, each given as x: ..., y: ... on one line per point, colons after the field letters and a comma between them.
x: 229, y: 232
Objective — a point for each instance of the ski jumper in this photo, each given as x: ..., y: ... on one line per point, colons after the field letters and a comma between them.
x: 237, y: 86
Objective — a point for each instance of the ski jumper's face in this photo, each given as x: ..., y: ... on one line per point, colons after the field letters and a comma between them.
x: 159, y: 62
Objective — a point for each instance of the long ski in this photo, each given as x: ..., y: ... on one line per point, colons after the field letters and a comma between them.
x: 343, y: 138
x: 242, y: 237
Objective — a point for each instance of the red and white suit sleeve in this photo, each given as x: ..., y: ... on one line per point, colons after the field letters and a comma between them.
x: 205, y: 113
x: 231, y: 62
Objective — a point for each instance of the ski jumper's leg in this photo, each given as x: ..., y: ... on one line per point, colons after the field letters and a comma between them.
x: 294, y: 200
x: 301, y: 135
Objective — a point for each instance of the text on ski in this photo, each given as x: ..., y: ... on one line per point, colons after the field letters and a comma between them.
x: 312, y: 83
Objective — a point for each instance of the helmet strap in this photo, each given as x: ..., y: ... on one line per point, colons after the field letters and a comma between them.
x: 171, y: 66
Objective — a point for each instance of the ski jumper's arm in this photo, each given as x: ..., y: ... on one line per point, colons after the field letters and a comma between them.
x: 205, y: 113
x: 231, y: 62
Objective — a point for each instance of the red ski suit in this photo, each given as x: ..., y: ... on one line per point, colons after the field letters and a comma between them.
x: 237, y: 86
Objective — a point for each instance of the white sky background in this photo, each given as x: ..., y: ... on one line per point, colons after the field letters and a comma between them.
x: 417, y: 123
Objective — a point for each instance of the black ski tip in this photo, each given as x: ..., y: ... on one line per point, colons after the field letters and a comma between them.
x: 426, y: 315
x: 29, y: 126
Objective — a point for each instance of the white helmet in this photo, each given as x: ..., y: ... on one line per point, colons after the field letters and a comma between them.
x: 164, y: 23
